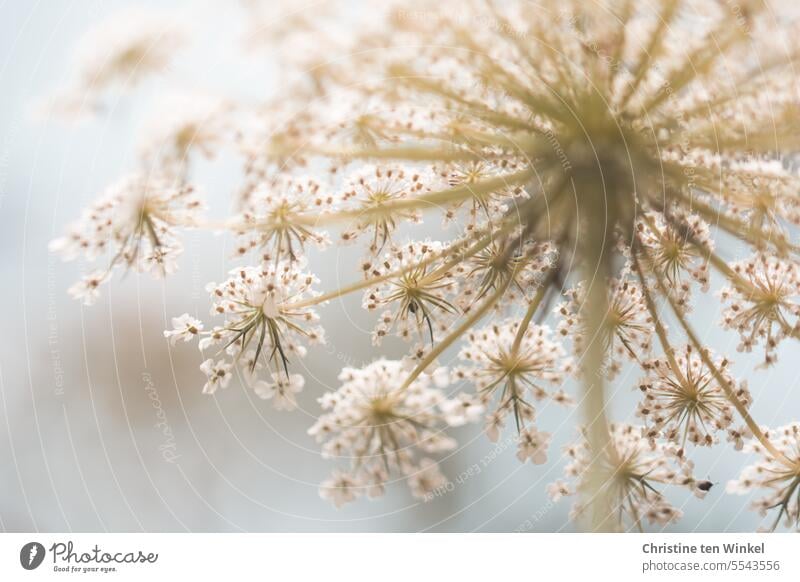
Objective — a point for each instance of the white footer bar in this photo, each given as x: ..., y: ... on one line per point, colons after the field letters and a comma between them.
x: 401, y: 557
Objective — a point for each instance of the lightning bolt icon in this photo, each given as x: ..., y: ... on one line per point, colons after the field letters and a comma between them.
x: 34, y: 551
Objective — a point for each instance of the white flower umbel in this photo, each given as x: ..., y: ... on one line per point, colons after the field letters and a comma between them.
x: 777, y: 479
x: 683, y: 401
x: 384, y: 428
x: 512, y: 368
x: 266, y: 323
x: 762, y: 303
x: 280, y: 219
x: 136, y: 223
x: 565, y: 145
x: 419, y: 302
x: 627, y: 327
x: 635, y: 469
x: 373, y: 190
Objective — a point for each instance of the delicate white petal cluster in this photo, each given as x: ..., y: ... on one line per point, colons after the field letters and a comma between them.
x: 184, y: 328
x: 628, y: 327
x: 386, y: 429
x: 372, y: 193
x: 417, y: 303
x: 777, y: 479
x: 136, y: 223
x: 560, y: 142
x: 280, y: 218
x: 266, y: 326
x: 533, y: 445
x: 763, y: 303
x: 683, y: 400
x: 634, y: 470
x: 673, y: 245
x: 281, y: 390
x: 484, y: 271
x: 762, y: 192
x: 511, y: 370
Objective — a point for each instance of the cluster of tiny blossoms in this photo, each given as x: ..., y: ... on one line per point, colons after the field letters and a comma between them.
x: 777, y: 474
x: 386, y: 427
x: 634, y: 473
x: 136, y: 222
x: 583, y: 193
x: 267, y: 325
x: 682, y: 399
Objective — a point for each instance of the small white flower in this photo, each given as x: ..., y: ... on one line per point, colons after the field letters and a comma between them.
x: 533, y: 445
x: 557, y: 490
x: 462, y: 409
x: 214, y: 337
x: 494, y: 424
x: 426, y: 479
x: 340, y: 488
x: 281, y: 390
x: 88, y: 288
x: 184, y: 328
x: 218, y: 375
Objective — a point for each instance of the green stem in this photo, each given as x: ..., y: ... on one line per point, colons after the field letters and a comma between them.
x: 526, y: 320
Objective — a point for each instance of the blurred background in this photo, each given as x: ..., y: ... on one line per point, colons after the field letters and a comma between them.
x: 103, y: 426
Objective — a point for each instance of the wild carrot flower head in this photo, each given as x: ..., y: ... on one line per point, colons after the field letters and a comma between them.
x: 374, y: 189
x: 627, y: 328
x: 279, y: 219
x: 683, y: 401
x: 384, y: 427
x: 267, y: 323
x: 513, y: 367
x: 763, y: 303
x: 635, y: 471
x: 590, y: 161
x: 135, y: 222
x: 777, y: 478
x: 419, y: 300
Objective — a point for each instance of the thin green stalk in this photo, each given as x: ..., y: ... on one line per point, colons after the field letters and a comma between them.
x: 531, y: 311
